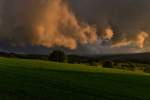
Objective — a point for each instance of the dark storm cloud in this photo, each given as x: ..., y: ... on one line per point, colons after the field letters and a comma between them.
x: 128, y: 19
x: 46, y: 23
x: 121, y: 25
x: 124, y: 16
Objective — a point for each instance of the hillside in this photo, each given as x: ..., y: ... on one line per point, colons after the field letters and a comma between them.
x: 22, y: 79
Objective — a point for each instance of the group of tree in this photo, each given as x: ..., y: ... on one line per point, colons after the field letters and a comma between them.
x: 58, y: 56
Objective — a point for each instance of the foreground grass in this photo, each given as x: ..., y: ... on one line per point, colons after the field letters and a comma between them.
x: 42, y: 80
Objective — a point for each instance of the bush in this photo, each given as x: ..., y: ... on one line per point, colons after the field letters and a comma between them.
x: 131, y: 66
x: 147, y: 69
x: 92, y: 63
x: 108, y: 64
x: 58, y: 56
x: 126, y: 66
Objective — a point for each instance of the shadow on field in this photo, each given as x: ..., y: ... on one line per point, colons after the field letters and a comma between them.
x: 45, y: 84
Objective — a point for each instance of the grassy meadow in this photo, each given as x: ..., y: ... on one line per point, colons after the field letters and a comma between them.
x: 22, y: 79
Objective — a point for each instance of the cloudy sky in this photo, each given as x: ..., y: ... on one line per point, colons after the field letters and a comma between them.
x: 77, y: 26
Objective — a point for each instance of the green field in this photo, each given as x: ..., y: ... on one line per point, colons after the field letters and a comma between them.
x: 22, y: 79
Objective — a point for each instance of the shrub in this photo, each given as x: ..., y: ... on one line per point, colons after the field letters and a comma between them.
x: 96, y: 64
x: 131, y: 66
x: 147, y: 69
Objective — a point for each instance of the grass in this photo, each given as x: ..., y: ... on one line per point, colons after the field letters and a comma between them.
x: 22, y: 79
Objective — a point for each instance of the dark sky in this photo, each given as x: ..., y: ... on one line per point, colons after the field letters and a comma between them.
x: 83, y: 26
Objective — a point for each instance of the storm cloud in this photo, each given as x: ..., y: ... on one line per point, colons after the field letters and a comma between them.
x: 97, y: 26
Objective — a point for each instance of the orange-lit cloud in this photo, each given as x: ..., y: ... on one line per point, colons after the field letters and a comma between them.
x: 109, y: 33
x: 138, y: 41
x: 58, y: 26
x: 76, y: 24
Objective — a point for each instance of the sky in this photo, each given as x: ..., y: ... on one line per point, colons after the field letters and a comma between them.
x: 76, y: 26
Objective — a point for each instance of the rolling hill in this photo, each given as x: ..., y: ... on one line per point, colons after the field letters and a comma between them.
x: 22, y: 79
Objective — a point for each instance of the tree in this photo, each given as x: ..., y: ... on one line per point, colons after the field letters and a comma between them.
x: 108, y: 64
x: 58, y: 55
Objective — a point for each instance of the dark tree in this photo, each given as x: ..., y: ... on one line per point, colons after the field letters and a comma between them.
x: 108, y: 64
x: 58, y: 56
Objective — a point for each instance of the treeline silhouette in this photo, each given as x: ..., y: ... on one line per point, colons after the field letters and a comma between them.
x: 123, y: 61
x: 24, y: 56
